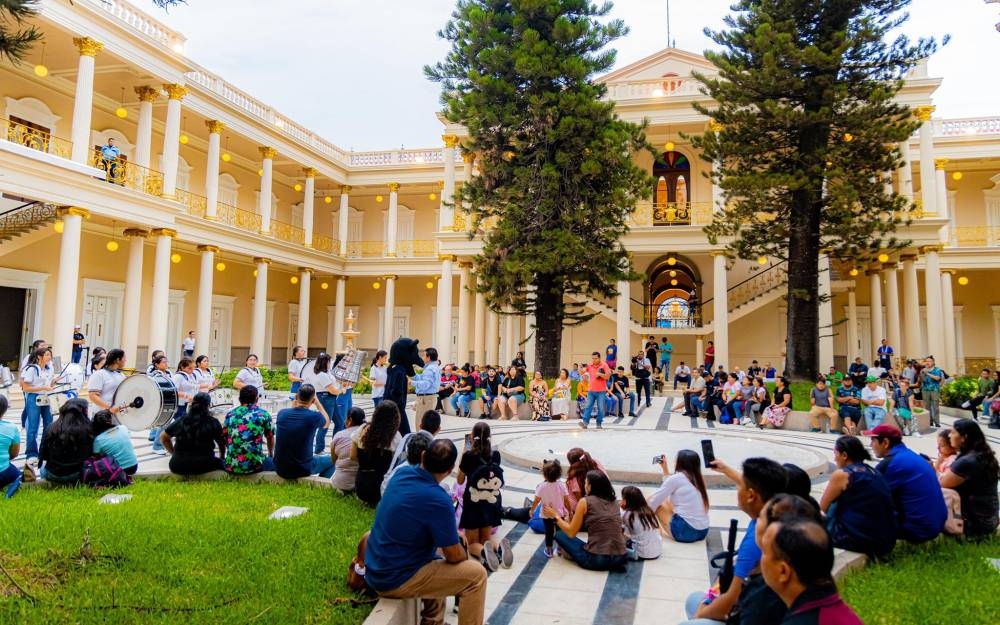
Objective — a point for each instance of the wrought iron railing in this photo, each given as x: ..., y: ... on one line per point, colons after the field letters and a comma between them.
x: 236, y: 217
x: 197, y: 205
x: 287, y: 232
x: 25, y: 218
x: 324, y: 243
x: 36, y: 139
x: 648, y: 213
x: 127, y: 174
x: 775, y: 276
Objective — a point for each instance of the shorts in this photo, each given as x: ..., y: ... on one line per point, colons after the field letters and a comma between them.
x: 682, y: 531
x: 518, y: 396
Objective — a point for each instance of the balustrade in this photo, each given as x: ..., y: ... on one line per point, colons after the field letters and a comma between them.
x: 129, y: 175
x: 287, y: 232
x: 975, y: 236
x: 37, y: 139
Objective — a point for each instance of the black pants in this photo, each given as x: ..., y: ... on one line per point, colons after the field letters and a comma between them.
x: 550, y: 532
x: 640, y: 385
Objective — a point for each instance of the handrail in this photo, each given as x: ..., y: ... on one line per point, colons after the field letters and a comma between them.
x: 17, y: 208
x: 125, y: 173
x: 753, y: 277
x: 38, y: 140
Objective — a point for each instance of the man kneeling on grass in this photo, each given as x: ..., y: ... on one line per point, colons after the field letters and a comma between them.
x: 413, y: 520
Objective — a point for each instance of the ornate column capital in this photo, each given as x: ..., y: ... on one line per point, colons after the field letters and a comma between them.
x: 208, y: 248
x: 390, y: 276
x: 62, y: 211
x: 440, y: 185
x: 345, y: 189
x: 309, y: 172
x: 305, y: 270
x: 469, y: 157
x: 923, y: 113
x: 714, y: 253
x: 715, y: 126
x: 175, y: 91
x: 137, y: 233
x: 939, y: 163
x: 872, y: 272
x: 950, y: 272
x: 146, y: 93
x: 163, y: 232
x: 890, y: 266
x: 343, y: 278
x: 214, y: 126
x: 926, y: 249
x: 267, y: 152
x: 908, y: 257
x: 444, y: 257
x: 258, y: 260
x: 450, y: 141
x: 87, y: 46
x: 393, y: 187
x: 465, y: 265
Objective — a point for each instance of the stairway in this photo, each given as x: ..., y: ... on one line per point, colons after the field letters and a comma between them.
x: 24, y: 218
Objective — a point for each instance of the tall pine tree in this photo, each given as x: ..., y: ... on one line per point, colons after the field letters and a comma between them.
x: 807, y: 130
x: 555, y: 162
x: 16, y: 36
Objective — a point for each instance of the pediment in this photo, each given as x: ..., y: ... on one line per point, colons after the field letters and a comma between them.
x: 668, y: 62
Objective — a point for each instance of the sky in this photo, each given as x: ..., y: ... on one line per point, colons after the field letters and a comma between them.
x: 352, y: 70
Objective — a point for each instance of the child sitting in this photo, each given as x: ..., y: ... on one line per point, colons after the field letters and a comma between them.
x: 642, y: 529
x: 552, y: 492
x: 114, y: 441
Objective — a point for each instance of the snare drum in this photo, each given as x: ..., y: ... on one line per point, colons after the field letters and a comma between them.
x: 149, y: 402
x: 73, y: 376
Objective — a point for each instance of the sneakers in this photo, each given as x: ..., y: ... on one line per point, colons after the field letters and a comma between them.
x: 599, y: 426
x: 490, y: 559
x: 966, y: 404
x: 549, y: 553
x: 160, y: 452
x: 631, y: 414
x: 506, y: 553
x: 582, y: 424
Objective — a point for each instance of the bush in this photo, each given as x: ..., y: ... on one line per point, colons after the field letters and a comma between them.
x: 274, y: 379
x: 959, y: 390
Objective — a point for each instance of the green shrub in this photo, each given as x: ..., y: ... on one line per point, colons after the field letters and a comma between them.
x: 959, y: 390
x: 274, y: 379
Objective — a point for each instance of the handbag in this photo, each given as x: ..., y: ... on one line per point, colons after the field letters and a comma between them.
x: 995, y: 405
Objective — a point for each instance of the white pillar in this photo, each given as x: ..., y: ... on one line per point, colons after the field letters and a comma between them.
x: 342, y: 216
x: 446, y: 215
x: 390, y: 312
x: 948, y: 319
x: 996, y: 334
x: 68, y: 281
x: 941, y: 193
x: 267, y: 155
x: 622, y: 331
x: 959, y: 344
x: 171, y: 138
x: 131, y: 307
x: 892, y: 324
x: 875, y: 306
x: 161, y: 289
x: 932, y: 302
x: 465, y: 313
x: 203, y: 321
x: 492, y: 338
x: 308, y: 205
x: 506, y: 339
x: 391, y: 225
x: 699, y: 353
x: 443, y: 339
x: 906, y: 171
x: 853, y: 348
x: 305, y: 290
x: 258, y: 319
x: 144, y: 134
x: 479, y: 342
x: 215, y: 129
x: 720, y: 310
x: 928, y: 195
x: 912, y: 345
x: 83, y: 104
x: 825, y: 316
x: 339, y: 314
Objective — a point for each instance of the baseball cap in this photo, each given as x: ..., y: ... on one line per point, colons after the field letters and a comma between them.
x: 884, y: 431
x: 76, y: 327
x: 871, y: 378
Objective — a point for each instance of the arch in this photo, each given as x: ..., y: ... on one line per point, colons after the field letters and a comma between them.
x: 673, y: 292
x: 229, y: 190
x: 33, y: 110
x: 672, y: 171
x: 100, y: 137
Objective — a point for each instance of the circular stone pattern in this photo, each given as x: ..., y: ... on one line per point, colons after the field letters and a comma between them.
x: 628, y: 456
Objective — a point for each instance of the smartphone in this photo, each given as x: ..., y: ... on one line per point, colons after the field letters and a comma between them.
x: 707, y: 453
x: 658, y: 459
x: 468, y: 442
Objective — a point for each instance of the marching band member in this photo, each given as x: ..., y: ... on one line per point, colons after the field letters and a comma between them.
x: 35, y: 346
x: 250, y: 376
x: 36, y: 378
x: 160, y: 367
x: 296, y: 367
x: 187, y: 385
x: 327, y: 390
x: 203, y: 374
x: 96, y: 361
x: 152, y: 361
x: 104, y: 381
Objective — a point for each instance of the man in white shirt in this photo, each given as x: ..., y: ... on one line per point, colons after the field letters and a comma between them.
x: 682, y: 374
x: 693, y: 390
x: 187, y: 345
x: 874, y: 400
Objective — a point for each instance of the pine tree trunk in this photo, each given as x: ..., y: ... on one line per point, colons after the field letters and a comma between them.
x: 549, y: 311
x: 802, y: 344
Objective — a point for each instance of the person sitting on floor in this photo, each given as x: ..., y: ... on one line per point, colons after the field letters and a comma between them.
x: 67, y: 444
x: 10, y: 447
x: 192, y: 440
x: 681, y: 502
x: 974, y: 477
x: 599, y: 511
x: 295, y: 433
x: 114, y: 441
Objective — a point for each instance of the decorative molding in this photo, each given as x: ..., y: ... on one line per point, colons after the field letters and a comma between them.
x: 214, y: 126
x: 146, y: 93
x: 87, y: 46
x: 267, y: 152
x: 175, y: 91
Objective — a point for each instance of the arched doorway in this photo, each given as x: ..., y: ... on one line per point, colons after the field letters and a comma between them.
x: 672, y: 189
x: 673, y: 293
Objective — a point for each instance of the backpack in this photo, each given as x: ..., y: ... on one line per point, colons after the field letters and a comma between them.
x: 104, y: 472
x: 486, y: 481
x: 356, y: 569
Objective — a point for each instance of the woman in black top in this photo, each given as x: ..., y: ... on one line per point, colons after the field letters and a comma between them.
x: 373, y: 446
x: 974, y: 475
x: 192, y: 440
x: 511, y: 394
x: 519, y: 362
x: 66, y: 444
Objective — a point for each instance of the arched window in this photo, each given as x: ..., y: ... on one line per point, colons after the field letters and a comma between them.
x: 673, y: 312
x: 672, y: 171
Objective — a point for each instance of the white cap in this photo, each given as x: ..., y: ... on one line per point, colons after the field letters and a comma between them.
x: 76, y: 327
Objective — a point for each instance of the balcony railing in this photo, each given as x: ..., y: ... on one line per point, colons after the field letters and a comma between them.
x: 197, y: 205
x: 36, y: 139
x: 326, y: 244
x: 975, y: 236
x: 127, y: 174
x: 139, y: 21
x: 668, y: 87
x: 404, y: 249
x: 671, y: 214
x: 971, y: 126
x: 287, y: 232
x: 236, y: 217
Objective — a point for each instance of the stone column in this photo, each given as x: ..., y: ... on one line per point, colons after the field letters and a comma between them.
x: 996, y: 335
x: 825, y: 315
x: 203, y: 321
x: 339, y: 315
x: 699, y: 354
x: 720, y: 309
x: 131, y: 307
x: 308, y: 205
x: 959, y: 343
x: 622, y: 330
x: 144, y: 131
x: 161, y: 289
x: 215, y: 129
x: 390, y: 311
x: 912, y: 344
x: 343, y: 222
x: 305, y: 290
x: 932, y: 300
x: 258, y: 319
x: 492, y: 338
x: 479, y: 344
x: 506, y: 339
x: 941, y: 193
x: 67, y: 285
x: 171, y: 138
x: 446, y: 216
x: 928, y: 195
x: 267, y: 155
x: 391, y: 226
x: 83, y: 105
x: 877, y: 330
x: 892, y: 307
x: 465, y: 312
x: 906, y: 171
x: 853, y: 349
x: 948, y: 319
x: 443, y: 338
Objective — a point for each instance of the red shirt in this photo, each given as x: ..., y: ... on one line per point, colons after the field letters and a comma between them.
x: 598, y: 385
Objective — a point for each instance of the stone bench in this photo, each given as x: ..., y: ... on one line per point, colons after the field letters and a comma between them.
x: 523, y: 411
x: 798, y: 421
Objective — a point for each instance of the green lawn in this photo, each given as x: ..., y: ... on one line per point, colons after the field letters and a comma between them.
x: 191, y: 553
x: 947, y: 581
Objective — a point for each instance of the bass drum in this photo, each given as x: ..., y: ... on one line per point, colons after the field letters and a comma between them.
x: 148, y: 402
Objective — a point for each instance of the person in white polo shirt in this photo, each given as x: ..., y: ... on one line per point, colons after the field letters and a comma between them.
x: 102, y: 385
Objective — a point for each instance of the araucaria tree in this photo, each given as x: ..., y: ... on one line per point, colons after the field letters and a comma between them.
x: 806, y: 133
x: 16, y: 35
x: 556, y: 178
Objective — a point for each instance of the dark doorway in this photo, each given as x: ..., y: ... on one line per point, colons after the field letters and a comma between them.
x: 11, y: 325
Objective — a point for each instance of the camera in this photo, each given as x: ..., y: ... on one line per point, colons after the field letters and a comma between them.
x: 658, y: 459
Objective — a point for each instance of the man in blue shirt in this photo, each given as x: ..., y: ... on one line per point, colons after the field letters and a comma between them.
x: 916, y: 492
x: 109, y: 159
x: 848, y: 399
x: 414, y: 519
x: 931, y: 378
x: 666, y: 350
x: 885, y: 355
x: 295, y: 431
x: 427, y: 383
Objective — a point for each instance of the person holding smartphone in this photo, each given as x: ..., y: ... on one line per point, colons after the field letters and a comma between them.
x: 681, y: 502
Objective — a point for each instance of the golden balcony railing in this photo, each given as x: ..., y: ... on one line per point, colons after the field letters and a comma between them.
x: 416, y: 249
x: 365, y: 249
x: 287, y: 232
x: 238, y: 218
x: 404, y: 249
x: 127, y: 174
x: 323, y: 243
x: 197, y: 205
x: 648, y: 213
x: 37, y: 139
x: 975, y: 236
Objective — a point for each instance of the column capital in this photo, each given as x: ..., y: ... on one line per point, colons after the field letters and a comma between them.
x: 146, y: 93
x: 950, y: 272
x: 260, y: 260
x: 343, y: 278
x: 851, y: 288
x: 208, y: 248
x: 309, y: 172
x: 908, y: 257
x: 267, y: 152
x: 889, y: 266
x: 87, y: 46
x: 163, y: 232
x: 138, y: 233
x: 175, y: 91
x: 996, y: 310
x: 440, y: 185
x: 393, y: 187
x: 716, y: 253
x: 62, y: 211
x: 390, y: 276
x: 939, y: 163
x: 444, y: 257
x: 214, y: 126
x: 304, y: 270
x: 345, y: 189
x: 465, y: 265
x: 469, y: 157
x: 872, y: 272
x: 927, y: 249
x: 923, y: 113
x: 450, y: 141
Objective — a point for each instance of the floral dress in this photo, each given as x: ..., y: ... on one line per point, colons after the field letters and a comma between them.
x: 244, y: 430
x: 539, y: 402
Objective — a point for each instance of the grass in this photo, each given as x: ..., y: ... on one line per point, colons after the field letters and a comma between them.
x: 192, y: 552
x: 946, y: 581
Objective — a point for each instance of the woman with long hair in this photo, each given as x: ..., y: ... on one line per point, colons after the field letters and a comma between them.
x: 102, y: 385
x: 681, y: 502
x: 974, y: 476
x: 372, y: 447
x: 377, y: 374
x: 642, y: 528
x: 250, y: 375
x: 511, y: 394
x: 203, y: 374
x: 114, y: 440
x: 561, y: 395
x: 67, y: 444
x: 192, y: 440
x: 600, y: 513
x: 775, y: 414
x: 540, y: 410
x: 37, y: 381
x: 480, y: 474
x: 327, y: 389
x: 580, y: 463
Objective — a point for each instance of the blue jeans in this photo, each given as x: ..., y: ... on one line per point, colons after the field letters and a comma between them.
x: 460, y: 402
x: 691, y: 606
x: 345, y: 401
x: 323, y: 466
x: 665, y: 368
x: 620, y: 400
x: 35, y: 414
x: 697, y: 404
x: 376, y: 401
x: 8, y: 475
x: 60, y: 479
x: 592, y: 398
x: 682, y: 531
x: 332, y: 408
x: 157, y: 444
x: 590, y: 561
x: 874, y: 416
x: 487, y: 412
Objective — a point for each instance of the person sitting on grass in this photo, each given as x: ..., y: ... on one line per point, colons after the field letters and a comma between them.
x: 10, y: 447
x: 295, y: 434
x: 345, y: 470
x: 599, y: 511
x: 67, y: 444
x: 192, y: 440
x: 681, y: 502
x: 114, y: 441
x: 245, y: 429
x: 946, y: 453
x: 974, y: 476
x: 856, y: 502
x: 642, y: 528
